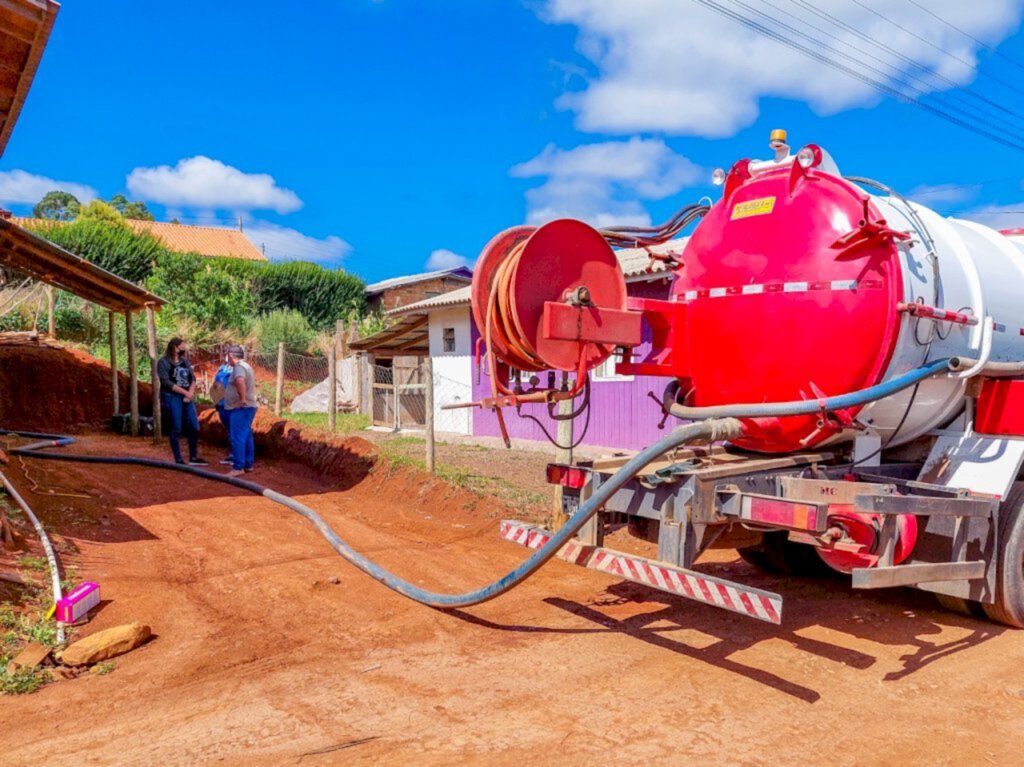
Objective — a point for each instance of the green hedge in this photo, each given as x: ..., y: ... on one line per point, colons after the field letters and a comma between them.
x: 107, y: 244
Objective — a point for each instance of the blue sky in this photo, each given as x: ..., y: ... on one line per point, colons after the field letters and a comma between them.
x: 388, y: 136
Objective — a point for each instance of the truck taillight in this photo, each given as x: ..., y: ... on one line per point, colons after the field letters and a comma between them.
x: 566, y: 476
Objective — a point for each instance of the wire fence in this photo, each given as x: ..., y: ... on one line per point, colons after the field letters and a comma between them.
x: 400, y: 396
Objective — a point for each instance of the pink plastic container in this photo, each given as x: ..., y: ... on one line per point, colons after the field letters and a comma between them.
x: 78, y: 602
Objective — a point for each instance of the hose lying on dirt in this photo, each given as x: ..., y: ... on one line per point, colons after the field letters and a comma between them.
x: 711, y: 430
x: 51, y: 557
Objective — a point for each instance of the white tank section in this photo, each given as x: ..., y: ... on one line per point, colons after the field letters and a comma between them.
x: 955, y: 265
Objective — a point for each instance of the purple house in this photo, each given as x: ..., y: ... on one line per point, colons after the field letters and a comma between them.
x: 622, y: 415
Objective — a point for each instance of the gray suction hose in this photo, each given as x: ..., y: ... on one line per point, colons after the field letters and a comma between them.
x: 51, y: 557
x: 712, y: 430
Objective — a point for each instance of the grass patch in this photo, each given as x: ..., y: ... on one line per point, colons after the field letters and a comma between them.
x: 345, y: 423
x: 23, y: 681
x: 16, y: 630
x: 104, y: 668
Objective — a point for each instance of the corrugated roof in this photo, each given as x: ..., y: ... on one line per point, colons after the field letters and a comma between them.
x: 459, y: 272
x: 209, y: 241
x: 408, y: 336
x: 638, y: 261
x: 454, y: 298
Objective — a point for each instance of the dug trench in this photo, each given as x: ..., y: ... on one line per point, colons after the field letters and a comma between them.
x: 271, y: 650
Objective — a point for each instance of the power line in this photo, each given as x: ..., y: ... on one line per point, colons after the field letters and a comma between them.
x: 939, y: 48
x: 882, y: 87
x: 966, y: 34
x: 837, y: 22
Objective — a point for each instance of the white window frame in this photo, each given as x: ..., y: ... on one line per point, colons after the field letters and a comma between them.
x: 455, y: 341
x: 605, y: 372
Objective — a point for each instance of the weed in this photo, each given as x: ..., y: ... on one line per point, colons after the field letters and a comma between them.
x: 30, y: 562
x: 24, y: 681
x: 345, y: 423
x: 104, y: 668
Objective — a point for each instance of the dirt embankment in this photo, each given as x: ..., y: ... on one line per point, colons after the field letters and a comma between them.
x: 47, y: 387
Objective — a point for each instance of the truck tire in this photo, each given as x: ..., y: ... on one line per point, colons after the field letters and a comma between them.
x: 1009, y: 605
x: 778, y: 555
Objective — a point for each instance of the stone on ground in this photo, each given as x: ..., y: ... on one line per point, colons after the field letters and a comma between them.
x: 105, y: 644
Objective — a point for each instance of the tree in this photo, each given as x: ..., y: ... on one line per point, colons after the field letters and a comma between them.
x: 135, y: 210
x: 57, y: 206
x: 97, y: 210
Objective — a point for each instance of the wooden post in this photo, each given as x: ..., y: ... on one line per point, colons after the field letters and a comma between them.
x: 279, y: 393
x: 51, y: 306
x: 357, y: 381
x: 332, y: 387
x: 154, y: 377
x: 133, y: 375
x: 398, y: 395
x: 370, y: 371
x: 340, y: 339
x: 428, y: 379
x: 112, y: 337
x: 564, y: 437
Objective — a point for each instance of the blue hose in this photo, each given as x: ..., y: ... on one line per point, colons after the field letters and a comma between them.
x: 810, y: 406
x: 708, y: 430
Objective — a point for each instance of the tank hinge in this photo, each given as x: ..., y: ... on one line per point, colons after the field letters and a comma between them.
x: 868, y: 230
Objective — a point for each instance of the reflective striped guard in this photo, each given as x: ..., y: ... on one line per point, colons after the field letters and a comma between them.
x: 755, y: 603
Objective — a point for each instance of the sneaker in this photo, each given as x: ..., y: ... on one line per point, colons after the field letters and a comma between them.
x: 181, y: 463
x: 235, y: 473
x: 247, y: 469
x: 226, y: 462
x: 197, y: 461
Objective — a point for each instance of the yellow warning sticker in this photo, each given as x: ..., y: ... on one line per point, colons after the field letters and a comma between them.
x: 759, y: 207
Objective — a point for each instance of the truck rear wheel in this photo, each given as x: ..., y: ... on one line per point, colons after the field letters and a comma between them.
x: 1009, y: 605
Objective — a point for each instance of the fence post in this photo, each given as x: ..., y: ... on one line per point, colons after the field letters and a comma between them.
x: 51, y: 306
x: 154, y: 378
x: 133, y: 375
x: 429, y: 407
x: 564, y: 436
x: 279, y: 392
x: 332, y: 387
x: 114, y: 383
x: 370, y: 369
x: 340, y: 339
x: 357, y: 382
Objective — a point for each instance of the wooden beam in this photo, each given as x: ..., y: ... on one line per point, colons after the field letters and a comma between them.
x: 133, y: 375
x: 51, y: 306
x: 112, y: 339
x: 332, y: 388
x: 154, y: 376
x: 279, y: 389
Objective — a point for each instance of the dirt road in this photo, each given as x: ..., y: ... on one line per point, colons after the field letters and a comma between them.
x: 260, y: 659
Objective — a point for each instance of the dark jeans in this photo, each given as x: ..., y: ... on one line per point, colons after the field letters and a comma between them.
x: 243, y: 449
x: 225, y: 419
x: 182, y: 419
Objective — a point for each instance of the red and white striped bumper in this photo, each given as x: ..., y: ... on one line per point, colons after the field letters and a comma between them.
x: 755, y: 603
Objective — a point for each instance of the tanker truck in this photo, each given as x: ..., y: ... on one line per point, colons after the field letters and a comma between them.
x: 865, y: 354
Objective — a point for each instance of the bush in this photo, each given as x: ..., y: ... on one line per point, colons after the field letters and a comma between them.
x: 323, y: 296
x: 108, y: 244
x: 202, y: 292
x: 288, y: 326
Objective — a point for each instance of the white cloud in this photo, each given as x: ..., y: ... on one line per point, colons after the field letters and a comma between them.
x: 602, y: 183
x: 998, y: 216
x: 201, y: 182
x: 442, y: 258
x: 682, y: 68
x: 284, y: 244
x: 18, y: 187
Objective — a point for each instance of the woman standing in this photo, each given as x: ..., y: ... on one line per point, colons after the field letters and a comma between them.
x: 177, y: 395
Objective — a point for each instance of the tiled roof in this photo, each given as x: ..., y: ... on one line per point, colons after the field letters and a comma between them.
x: 637, y: 261
x: 213, y: 241
x: 458, y: 272
x: 210, y: 241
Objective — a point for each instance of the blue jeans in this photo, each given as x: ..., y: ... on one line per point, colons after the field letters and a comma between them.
x: 225, y: 419
x: 182, y: 419
x: 243, y: 449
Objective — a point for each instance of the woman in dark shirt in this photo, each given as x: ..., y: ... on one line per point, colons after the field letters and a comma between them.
x: 177, y: 395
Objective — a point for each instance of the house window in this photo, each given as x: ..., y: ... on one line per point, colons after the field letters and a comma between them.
x: 448, y: 340
x: 606, y: 370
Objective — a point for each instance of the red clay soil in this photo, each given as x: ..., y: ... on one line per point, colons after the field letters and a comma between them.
x: 271, y: 650
x: 53, y: 388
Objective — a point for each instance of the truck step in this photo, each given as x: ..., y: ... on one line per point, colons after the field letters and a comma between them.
x: 707, y: 589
